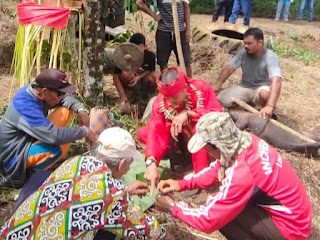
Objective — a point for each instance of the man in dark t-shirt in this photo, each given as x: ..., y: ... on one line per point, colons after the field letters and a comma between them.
x: 142, y: 80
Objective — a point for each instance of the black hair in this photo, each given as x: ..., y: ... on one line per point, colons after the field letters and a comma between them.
x: 168, y: 76
x: 137, y: 39
x: 255, y: 32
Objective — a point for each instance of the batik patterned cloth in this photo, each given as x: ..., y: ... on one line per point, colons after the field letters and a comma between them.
x: 99, y: 119
x: 76, y: 200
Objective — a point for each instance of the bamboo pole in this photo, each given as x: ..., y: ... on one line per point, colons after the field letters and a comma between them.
x: 177, y: 35
x: 280, y: 125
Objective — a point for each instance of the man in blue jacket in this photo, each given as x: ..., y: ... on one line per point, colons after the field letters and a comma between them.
x: 31, y: 139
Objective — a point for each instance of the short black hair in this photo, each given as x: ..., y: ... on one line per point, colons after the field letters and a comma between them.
x: 255, y: 32
x: 168, y: 76
x: 137, y: 39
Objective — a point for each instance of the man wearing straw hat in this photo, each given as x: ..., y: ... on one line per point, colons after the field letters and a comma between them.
x: 180, y: 103
x: 85, y: 195
x: 31, y: 139
x: 260, y: 196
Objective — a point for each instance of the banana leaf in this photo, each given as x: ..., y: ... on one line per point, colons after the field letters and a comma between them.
x: 136, y: 172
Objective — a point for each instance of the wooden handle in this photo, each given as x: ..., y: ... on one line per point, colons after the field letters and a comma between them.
x: 177, y: 35
x: 280, y: 125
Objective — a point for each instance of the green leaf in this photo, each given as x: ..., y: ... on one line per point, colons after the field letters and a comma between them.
x: 136, y: 172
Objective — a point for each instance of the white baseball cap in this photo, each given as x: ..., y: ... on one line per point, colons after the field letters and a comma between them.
x: 118, y: 143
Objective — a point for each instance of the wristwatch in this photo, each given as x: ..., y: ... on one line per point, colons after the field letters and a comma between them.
x: 149, y: 161
x: 170, y: 208
x: 82, y: 110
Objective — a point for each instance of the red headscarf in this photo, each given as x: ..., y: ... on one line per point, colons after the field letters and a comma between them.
x: 175, y: 86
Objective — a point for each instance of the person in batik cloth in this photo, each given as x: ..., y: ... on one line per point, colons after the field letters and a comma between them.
x: 180, y: 103
x: 84, y: 195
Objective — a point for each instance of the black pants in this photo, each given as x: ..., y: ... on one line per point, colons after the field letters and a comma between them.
x: 219, y: 4
x: 252, y: 223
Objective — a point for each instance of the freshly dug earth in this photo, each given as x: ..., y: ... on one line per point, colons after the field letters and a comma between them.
x: 298, y: 106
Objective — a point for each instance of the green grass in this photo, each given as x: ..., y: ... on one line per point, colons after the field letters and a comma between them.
x: 300, y: 54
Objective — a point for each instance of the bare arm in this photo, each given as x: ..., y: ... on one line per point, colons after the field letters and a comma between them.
x: 275, y: 89
x: 119, y: 87
x: 187, y: 20
x: 224, y: 75
x: 143, y: 7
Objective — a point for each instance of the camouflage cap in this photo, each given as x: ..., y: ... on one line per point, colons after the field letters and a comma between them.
x: 219, y: 130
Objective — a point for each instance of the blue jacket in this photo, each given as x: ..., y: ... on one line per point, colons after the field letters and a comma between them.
x: 24, y: 122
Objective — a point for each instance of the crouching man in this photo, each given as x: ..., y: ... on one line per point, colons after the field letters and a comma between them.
x: 84, y: 195
x: 260, y: 197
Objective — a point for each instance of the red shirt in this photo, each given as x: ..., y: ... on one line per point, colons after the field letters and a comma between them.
x: 202, y: 100
x: 259, y: 169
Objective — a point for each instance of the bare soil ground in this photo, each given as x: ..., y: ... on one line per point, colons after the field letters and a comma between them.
x: 298, y: 106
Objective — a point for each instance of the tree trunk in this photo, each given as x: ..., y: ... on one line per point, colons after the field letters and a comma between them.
x: 93, y: 57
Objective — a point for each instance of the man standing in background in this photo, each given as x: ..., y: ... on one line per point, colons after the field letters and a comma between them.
x: 310, y: 9
x: 219, y: 4
x: 245, y: 6
x: 165, y: 38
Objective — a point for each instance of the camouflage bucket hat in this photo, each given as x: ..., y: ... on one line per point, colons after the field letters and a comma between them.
x: 219, y: 130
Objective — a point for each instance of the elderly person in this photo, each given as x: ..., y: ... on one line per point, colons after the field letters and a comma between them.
x: 261, y: 75
x: 260, y: 196
x: 84, y: 195
x: 32, y: 140
x: 180, y: 103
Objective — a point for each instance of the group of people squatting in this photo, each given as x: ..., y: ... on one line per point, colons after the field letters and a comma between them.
x: 260, y: 195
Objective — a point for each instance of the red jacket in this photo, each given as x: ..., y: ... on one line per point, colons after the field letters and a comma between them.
x: 259, y: 169
x: 156, y: 135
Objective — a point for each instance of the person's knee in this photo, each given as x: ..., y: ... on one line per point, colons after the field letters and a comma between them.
x: 225, y: 100
x: 263, y: 97
x: 61, y: 117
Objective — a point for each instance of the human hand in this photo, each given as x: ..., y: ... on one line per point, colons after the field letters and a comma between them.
x: 187, y: 36
x: 83, y: 119
x: 177, y: 123
x: 134, y: 81
x: 157, y: 17
x: 152, y: 176
x: 170, y: 185
x: 216, y: 86
x: 266, y: 111
x: 125, y: 107
x: 91, y: 137
x: 138, y: 188
x: 162, y: 203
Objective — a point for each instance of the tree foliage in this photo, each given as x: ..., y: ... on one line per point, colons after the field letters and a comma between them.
x: 260, y: 8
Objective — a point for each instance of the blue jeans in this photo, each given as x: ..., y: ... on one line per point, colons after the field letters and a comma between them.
x: 286, y: 9
x: 245, y: 6
x: 302, y: 7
